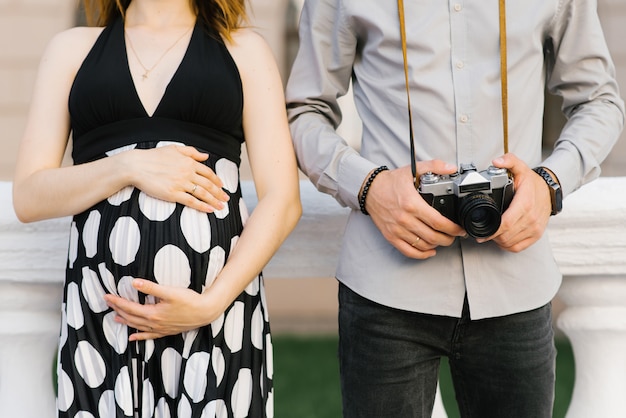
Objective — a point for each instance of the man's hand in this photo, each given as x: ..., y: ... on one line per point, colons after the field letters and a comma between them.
x: 403, y: 216
x: 525, y: 221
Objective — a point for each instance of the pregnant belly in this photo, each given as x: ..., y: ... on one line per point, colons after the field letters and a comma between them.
x: 132, y: 234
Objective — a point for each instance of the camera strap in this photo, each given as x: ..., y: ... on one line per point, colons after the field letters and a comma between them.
x: 503, y: 79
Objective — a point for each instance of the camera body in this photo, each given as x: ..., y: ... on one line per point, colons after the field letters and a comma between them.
x: 471, y: 198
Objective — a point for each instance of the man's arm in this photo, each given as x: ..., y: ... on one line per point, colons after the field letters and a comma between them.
x: 583, y: 74
x: 320, y: 75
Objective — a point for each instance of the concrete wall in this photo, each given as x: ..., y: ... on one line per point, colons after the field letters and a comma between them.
x: 613, y: 15
x: 25, y: 29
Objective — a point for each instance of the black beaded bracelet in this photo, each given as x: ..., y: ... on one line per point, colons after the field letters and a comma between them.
x: 366, y: 188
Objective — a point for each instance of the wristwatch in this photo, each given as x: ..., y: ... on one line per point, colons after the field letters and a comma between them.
x: 556, y: 194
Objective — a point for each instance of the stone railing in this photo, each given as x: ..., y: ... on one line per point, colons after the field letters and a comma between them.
x: 589, y: 241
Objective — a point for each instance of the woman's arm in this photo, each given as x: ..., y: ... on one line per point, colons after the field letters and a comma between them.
x: 273, y: 164
x: 43, y: 188
x: 274, y: 169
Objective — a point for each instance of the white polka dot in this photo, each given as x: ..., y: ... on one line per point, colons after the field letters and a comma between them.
x: 149, y: 350
x: 171, y: 267
x: 126, y: 289
x: 228, y: 172
x: 115, y: 333
x: 217, y: 324
x: 162, y: 409
x: 184, y: 407
x: 217, y: 258
x: 262, y: 378
x: 147, y: 398
x: 107, y: 278
x: 124, y: 240
x: 65, y: 397
x: 89, y: 364
x: 63, y: 336
x: 196, y: 229
x: 121, y: 196
x: 196, y: 374
x: 83, y: 414
x: 242, y: 394
x: 269, y: 405
x: 222, y: 213
x: 170, y: 371
x: 121, y: 149
x: 90, y: 233
x: 257, y: 326
x: 243, y: 210
x: 124, y: 392
x: 233, y: 327
x: 189, y: 337
x: 73, y: 246
x: 155, y: 209
x: 218, y: 364
x: 263, y: 300
x: 93, y: 291
x: 253, y: 288
x: 106, y: 404
x: 215, y: 409
x: 269, y: 356
x: 75, y: 317
x: 233, y: 243
x: 161, y: 144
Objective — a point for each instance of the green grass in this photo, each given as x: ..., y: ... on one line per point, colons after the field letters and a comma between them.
x: 306, y: 378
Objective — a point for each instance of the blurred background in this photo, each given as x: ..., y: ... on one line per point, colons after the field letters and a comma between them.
x: 27, y: 25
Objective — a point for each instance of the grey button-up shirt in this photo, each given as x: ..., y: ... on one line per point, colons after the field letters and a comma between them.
x: 454, y: 64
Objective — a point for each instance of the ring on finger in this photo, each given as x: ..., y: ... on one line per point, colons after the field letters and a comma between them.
x: 193, y: 189
x: 417, y: 239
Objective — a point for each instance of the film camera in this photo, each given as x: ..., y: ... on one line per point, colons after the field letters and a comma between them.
x: 473, y: 199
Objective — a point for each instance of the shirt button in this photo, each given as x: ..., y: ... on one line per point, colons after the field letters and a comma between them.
x: 460, y: 65
x: 464, y: 118
x: 458, y: 7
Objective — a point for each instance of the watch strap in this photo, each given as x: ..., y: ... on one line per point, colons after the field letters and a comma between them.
x: 556, y: 194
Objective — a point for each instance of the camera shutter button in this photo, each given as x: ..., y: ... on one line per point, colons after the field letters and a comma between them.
x: 429, y: 178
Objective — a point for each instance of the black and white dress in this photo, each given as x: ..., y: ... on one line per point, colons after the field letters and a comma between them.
x: 222, y: 370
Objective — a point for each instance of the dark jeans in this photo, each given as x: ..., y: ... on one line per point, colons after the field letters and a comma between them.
x: 389, y: 361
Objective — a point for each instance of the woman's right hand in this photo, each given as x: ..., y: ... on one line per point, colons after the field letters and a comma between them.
x: 175, y: 173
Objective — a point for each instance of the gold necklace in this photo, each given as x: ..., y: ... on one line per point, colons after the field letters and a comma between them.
x: 146, y: 69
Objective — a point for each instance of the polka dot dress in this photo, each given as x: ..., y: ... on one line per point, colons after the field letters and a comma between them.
x: 223, y: 370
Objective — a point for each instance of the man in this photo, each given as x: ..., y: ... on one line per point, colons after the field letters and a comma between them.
x: 413, y: 285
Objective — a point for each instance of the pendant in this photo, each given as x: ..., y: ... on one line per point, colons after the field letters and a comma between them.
x: 144, y: 76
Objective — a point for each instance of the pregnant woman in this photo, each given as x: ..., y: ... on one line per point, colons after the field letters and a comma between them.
x: 164, y: 311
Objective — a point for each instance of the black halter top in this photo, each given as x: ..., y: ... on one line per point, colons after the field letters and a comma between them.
x: 202, y: 104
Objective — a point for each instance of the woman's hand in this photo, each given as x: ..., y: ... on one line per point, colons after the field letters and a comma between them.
x: 177, y: 310
x: 175, y: 173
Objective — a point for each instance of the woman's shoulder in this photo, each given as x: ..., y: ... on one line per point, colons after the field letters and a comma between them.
x: 71, y: 46
x: 249, y: 48
x: 246, y: 37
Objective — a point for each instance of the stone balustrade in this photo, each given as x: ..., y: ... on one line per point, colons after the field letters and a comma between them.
x: 589, y: 241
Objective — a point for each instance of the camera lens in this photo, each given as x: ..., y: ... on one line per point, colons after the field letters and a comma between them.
x: 479, y: 215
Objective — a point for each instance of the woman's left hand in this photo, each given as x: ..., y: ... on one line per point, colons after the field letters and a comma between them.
x: 176, y: 310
